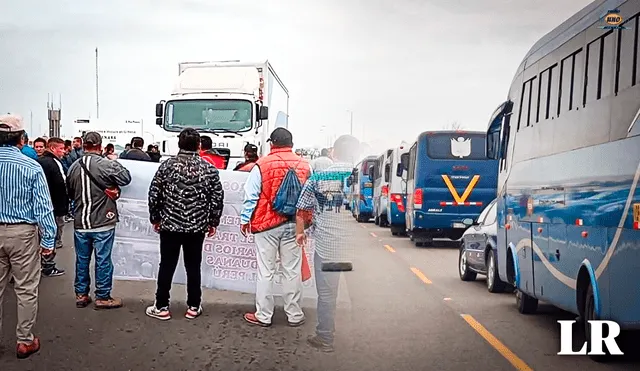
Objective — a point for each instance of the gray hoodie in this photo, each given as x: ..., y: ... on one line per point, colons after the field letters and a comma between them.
x: 93, y: 209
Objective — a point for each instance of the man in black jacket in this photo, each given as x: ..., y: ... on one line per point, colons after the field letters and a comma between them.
x: 136, y: 152
x: 56, y: 180
x: 185, y: 204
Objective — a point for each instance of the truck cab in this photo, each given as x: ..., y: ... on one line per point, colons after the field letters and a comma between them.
x: 232, y: 102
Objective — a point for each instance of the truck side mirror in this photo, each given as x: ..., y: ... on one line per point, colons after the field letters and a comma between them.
x: 159, y: 109
x: 159, y: 121
x: 264, y: 113
x: 399, y: 170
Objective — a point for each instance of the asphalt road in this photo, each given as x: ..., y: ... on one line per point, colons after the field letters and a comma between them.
x: 407, y: 310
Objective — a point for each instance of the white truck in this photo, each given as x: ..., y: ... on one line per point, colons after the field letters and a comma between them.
x: 235, y: 103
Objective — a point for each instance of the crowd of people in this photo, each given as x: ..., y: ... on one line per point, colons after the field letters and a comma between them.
x: 81, y: 181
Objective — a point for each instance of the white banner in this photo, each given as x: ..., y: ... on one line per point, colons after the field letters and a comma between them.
x: 229, y: 259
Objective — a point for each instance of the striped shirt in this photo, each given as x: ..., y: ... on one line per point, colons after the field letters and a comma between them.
x: 25, y: 194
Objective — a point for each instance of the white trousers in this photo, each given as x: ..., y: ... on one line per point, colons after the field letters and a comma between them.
x: 279, y: 241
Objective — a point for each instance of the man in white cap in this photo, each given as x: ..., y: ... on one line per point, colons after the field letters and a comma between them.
x: 25, y: 212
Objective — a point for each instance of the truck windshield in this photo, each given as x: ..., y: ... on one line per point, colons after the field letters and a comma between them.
x: 228, y: 115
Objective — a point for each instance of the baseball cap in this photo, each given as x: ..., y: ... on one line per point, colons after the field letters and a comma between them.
x: 281, y: 137
x: 92, y: 138
x: 251, y: 148
x: 11, y: 123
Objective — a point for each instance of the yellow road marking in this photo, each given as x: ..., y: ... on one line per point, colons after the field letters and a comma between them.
x: 373, y: 234
x: 497, y: 344
x: 391, y: 249
x: 421, y: 275
x: 447, y: 299
x: 457, y: 198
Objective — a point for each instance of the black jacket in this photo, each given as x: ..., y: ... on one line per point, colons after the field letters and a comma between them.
x: 186, y: 194
x: 135, y: 154
x: 154, y: 156
x: 56, y: 183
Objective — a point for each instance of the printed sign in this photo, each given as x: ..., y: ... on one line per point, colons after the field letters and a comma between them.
x: 229, y: 258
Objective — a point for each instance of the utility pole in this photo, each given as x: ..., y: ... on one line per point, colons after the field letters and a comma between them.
x: 97, y: 90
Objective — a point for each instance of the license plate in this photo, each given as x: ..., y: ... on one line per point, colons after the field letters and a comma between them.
x: 459, y: 225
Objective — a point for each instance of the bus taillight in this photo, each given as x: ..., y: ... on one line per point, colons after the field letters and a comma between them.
x: 397, y: 199
x: 385, y: 190
x: 417, y: 198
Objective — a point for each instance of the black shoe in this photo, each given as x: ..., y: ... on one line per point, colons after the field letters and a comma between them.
x: 55, y: 272
x: 320, y: 344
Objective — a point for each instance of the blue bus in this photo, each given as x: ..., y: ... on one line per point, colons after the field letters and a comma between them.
x: 569, y: 153
x: 449, y: 179
x: 361, y: 186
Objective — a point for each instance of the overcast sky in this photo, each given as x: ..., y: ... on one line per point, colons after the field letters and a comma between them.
x: 402, y: 66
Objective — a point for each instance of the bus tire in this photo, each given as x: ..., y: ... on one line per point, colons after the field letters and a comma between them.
x: 376, y: 221
x: 494, y: 283
x: 526, y: 304
x: 589, y: 315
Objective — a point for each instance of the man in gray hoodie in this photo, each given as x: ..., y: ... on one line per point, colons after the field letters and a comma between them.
x: 94, y: 184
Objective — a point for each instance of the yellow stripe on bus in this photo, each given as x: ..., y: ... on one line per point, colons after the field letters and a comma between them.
x: 457, y: 198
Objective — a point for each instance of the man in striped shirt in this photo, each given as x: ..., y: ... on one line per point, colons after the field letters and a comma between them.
x: 25, y: 212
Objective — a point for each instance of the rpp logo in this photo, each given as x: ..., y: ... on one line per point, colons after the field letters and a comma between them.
x: 596, y: 329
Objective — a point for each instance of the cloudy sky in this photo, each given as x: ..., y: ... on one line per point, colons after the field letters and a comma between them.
x: 402, y: 66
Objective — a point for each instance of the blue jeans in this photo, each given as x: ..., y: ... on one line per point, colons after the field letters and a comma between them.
x: 327, y: 284
x: 102, y: 244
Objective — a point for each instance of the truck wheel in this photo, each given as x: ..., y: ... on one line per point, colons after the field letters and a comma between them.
x: 494, y: 284
x: 463, y: 269
x: 526, y: 304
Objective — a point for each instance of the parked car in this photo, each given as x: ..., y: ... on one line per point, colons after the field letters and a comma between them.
x: 478, y: 254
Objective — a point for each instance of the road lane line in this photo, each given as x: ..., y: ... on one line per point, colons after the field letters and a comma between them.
x: 497, y: 344
x: 373, y: 234
x: 391, y: 249
x: 421, y: 275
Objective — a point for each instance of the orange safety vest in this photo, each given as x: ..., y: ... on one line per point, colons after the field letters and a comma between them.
x: 273, y: 169
x: 247, y: 167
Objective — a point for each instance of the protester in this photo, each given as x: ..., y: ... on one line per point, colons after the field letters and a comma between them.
x: 322, y: 162
x: 56, y: 180
x: 94, y: 183
x: 183, y: 218
x: 75, y: 153
x: 209, y: 154
x: 39, y: 145
x: 136, y: 153
x: 274, y: 232
x: 25, y: 212
x: 110, y: 152
x: 250, y: 158
x: 332, y: 236
x: 154, y: 153
x: 26, y: 149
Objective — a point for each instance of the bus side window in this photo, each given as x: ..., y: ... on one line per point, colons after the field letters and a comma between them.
x: 412, y: 162
x: 506, y: 132
x: 387, y: 172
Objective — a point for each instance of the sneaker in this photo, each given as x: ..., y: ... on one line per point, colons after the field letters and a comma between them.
x: 193, y: 312
x: 54, y: 272
x: 82, y: 301
x: 251, y: 318
x: 320, y: 344
x: 296, y: 324
x: 24, y: 350
x: 162, y: 314
x: 108, y: 303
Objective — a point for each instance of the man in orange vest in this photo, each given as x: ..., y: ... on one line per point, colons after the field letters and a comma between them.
x: 274, y: 233
x: 209, y: 154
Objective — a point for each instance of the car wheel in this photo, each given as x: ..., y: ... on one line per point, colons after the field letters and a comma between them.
x: 463, y: 269
x: 526, y: 304
x: 494, y: 284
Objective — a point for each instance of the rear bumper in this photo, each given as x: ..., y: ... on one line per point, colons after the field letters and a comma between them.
x: 424, y: 220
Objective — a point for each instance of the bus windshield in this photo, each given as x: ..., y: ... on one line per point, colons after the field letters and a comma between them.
x: 457, y: 146
x: 209, y: 115
x: 366, y: 165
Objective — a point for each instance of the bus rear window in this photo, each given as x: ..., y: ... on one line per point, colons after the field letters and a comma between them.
x: 456, y: 146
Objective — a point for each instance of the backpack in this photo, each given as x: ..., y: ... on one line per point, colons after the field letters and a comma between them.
x: 287, y: 196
